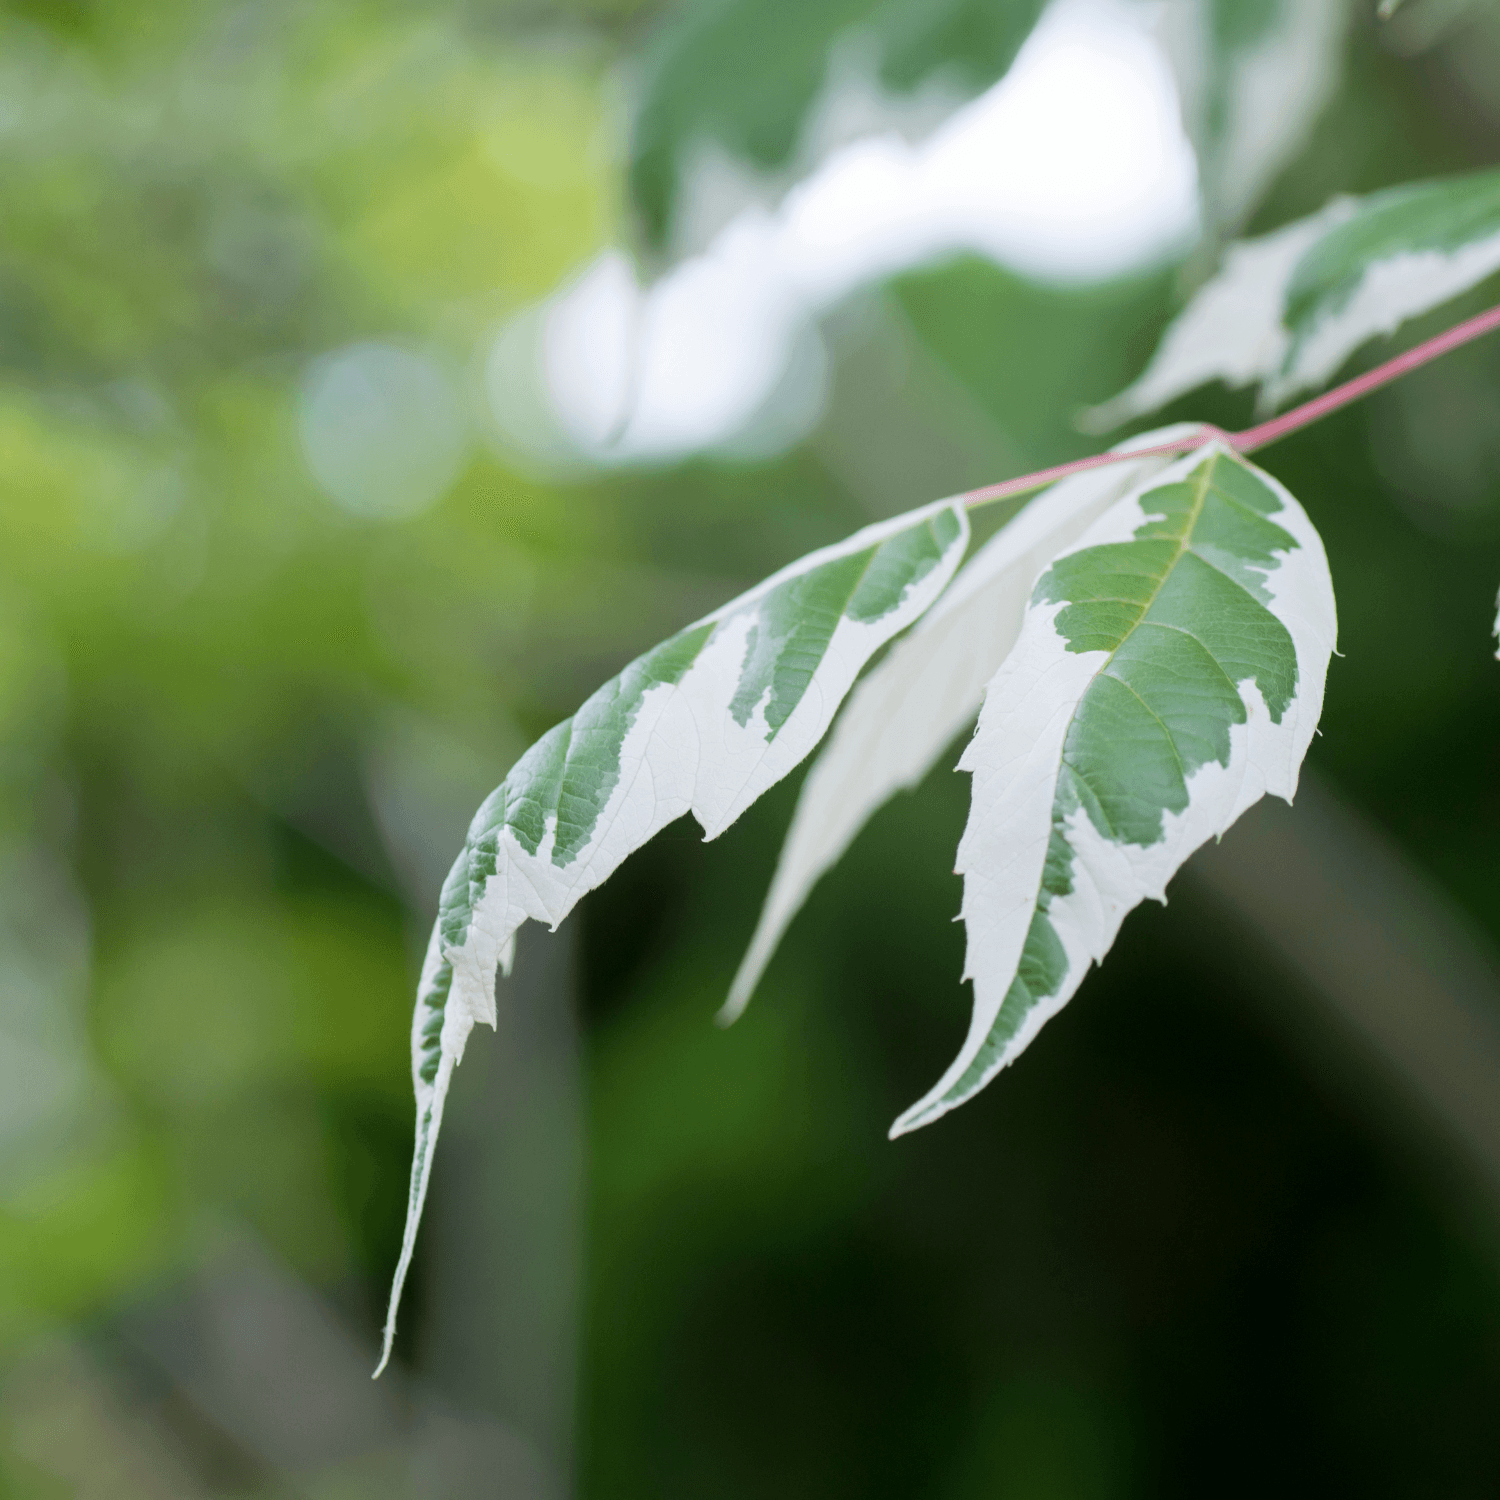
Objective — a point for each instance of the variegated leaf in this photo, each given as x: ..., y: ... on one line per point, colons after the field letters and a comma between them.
x: 1169, y: 673
x: 910, y: 708
x: 1289, y: 308
x: 746, y: 77
x: 704, y: 723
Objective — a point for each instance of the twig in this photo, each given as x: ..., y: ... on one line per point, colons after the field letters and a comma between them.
x: 1265, y: 432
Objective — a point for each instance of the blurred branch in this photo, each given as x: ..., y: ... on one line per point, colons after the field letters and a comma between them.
x: 1264, y: 433
x: 267, y: 1382
x: 264, y: 1359
x: 504, y: 1257
x: 1393, y: 956
x: 899, y: 423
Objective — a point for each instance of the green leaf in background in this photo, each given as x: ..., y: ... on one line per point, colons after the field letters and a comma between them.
x: 185, y: 614
x: 745, y: 75
x: 1168, y: 674
x: 1252, y: 77
x: 704, y: 723
x: 1290, y: 307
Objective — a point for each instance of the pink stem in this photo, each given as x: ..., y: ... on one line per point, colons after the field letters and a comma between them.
x: 1265, y: 432
x: 1301, y: 416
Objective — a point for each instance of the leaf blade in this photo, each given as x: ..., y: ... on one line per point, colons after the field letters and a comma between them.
x: 705, y: 722
x: 1132, y: 722
x: 1288, y: 308
x: 1231, y: 330
x: 1407, y: 249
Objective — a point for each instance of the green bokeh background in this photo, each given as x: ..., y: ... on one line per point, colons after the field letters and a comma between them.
x: 1202, y: 1239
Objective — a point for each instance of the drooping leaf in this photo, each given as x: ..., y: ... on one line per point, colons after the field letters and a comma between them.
x: 1252, y: 78
x: 909, y: 709
x: 703, y: 723
x: 1168, y: 674
x: 1289, y: 308
x: 744, y: 74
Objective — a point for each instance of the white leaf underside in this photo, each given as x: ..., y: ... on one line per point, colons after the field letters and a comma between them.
x: 1017, y: 757
x: 915, y: 702
x: 692, y: 744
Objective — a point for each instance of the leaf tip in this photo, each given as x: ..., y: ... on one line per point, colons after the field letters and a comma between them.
x: 1095, y: 421
x: 388, y: 1334
x: 923, y: 1112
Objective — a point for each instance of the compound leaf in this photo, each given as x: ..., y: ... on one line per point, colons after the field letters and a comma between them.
x: 1168, y: 674
x: 703, y: 723
x: 913, y: 704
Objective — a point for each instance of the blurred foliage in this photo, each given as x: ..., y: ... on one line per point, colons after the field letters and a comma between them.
x: 199, y: 648
x: 743, y: 75
x: 1179, y: 1240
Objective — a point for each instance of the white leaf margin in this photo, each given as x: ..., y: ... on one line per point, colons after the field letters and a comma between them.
x: 1232, y: 329
x: 684, y: 752
x: 1015, y: 758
